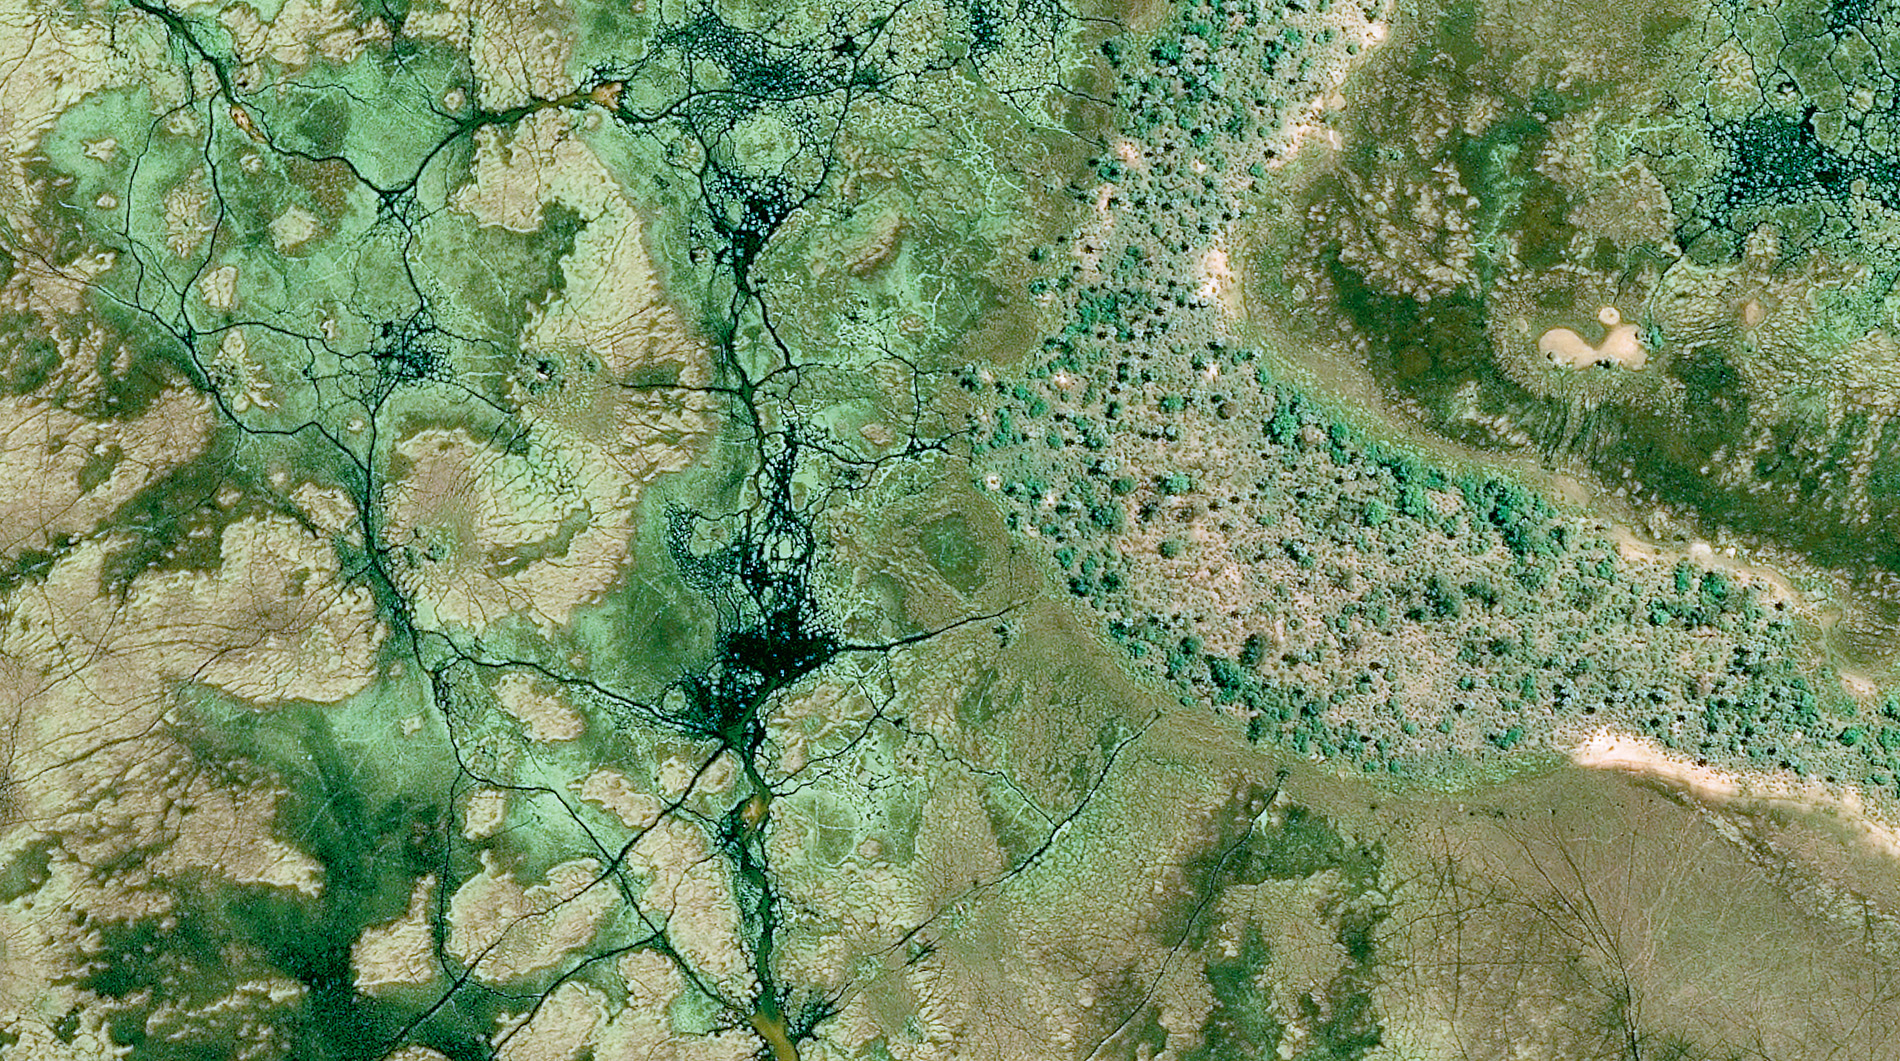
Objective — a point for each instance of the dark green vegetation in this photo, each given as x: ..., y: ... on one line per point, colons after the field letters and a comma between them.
x: 1347, y: 597
x: 1724, y: 179
x: 388, y: 315
x: 1291, y: 843
x: 373, y: 839
x: 756, y: 660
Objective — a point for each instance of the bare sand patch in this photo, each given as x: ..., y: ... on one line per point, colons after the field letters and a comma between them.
x: 61, y: 473
x: 487, y: 809
x: 293, y: 228
x: 504, y: 931
x: 516, y: 51
x: 1218, y: 283
x: 559, y: 1029
x: 1608, y: 749
x: 542, y: 712
x: 1705, y: 556
x: 544, y: 531
x: 642, y: 1030
x: 694, y: 895
x: 398, y: 952
x: 1621, y: 346
x: 613, y: 792
x: 302, y: 32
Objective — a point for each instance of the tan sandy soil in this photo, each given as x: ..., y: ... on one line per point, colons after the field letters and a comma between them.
x: 1608, y: 749
x: 546, y: 531
x: 44, y: 449
x: 692, y: 892
x: 507, y: 931
x: 518, y: 51
x: 487, y: 809
x: 1218, y: 283
x: 642, y: 1031
x: 399, y: 951
x: 1620, y: 346
x: 302, y: 32
x: 559, y: 1029
x: 541, y: 712
x: 613, y: 792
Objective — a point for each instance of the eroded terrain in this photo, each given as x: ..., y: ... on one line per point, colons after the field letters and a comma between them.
x: 947, y: 529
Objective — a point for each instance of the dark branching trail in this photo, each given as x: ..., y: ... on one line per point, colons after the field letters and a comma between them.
x: 759, y: 580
